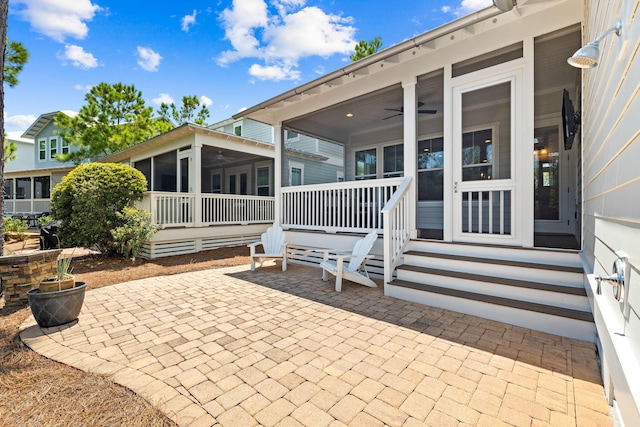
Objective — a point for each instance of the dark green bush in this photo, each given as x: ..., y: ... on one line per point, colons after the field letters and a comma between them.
x: 88, y: 200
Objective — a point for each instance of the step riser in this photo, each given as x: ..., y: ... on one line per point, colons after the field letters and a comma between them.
x: 542, y: 322
x: 541, y: 256
x: 556, y: 299
x: 486, y: 269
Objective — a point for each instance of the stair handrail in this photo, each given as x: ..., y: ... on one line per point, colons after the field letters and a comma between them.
x: 396, y: 231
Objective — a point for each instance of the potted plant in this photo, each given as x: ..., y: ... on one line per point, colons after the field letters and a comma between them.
x: 63, y: 278
x: 59, y: 299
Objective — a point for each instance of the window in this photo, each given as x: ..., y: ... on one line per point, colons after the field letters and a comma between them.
x: 53, y: 148
x: 340, y: 176
x: 262, y: 181
x: 216, y: 183
x: 430, y: 169
x: 237, y: 130
x: 296, y: 174
x: 366, y: 165
x: 42, y: 187
x: 477, y: 155
x: 65, y: 147
x: 393, y: 161
x: 292, y: 135
x: 42, y: 149
x: 244, y: 181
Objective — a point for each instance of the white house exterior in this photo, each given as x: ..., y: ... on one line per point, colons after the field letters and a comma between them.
x: 455, y: 151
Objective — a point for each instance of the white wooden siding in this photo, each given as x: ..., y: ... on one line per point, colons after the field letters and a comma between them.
x: 611, y: 190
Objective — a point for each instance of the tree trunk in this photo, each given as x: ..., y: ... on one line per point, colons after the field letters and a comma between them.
x: 4, y: 10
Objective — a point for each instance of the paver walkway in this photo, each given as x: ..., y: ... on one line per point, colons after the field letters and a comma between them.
x: 234, y: 348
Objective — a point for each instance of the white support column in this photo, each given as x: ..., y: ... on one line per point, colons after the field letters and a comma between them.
x: 277, y: 173
x: 411, y: 149
x: 448, y: 196
x: 524, y: 174
x: 197, y: 182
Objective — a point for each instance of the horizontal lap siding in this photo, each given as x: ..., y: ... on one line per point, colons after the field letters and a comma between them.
x: 611, y: 184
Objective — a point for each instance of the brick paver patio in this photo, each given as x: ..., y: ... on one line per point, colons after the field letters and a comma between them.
x: 234, y: 348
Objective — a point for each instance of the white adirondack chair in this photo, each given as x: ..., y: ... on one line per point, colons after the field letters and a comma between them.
x: 274, y: 246
x: 354, y: 269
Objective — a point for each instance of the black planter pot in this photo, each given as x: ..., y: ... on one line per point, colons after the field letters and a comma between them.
x: 56, y: 308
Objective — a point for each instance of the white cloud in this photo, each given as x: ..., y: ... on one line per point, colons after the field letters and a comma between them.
x: 148, y: 59
x: 59, y: 19
x: 187, y: 21
x: 466, y: 7
x: 163, y: 97
x: 205, y: 100
x: 18, y: 122
x: 78, y: 57
x: 83, y: 88
x: 280, y: 37
x: 274, y: 72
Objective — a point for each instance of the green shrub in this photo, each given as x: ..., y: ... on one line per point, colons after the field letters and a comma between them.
x: 44, y: 220
x: 88, y: 200
x: 16, y: 228
x: 136, y: 229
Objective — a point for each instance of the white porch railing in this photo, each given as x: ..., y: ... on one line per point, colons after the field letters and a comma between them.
x: 396, y: 228
x: 179, y: 209
x: 353, y: 206
x: 487, y: 211
x: 220, y: 209
x: 25, y: 206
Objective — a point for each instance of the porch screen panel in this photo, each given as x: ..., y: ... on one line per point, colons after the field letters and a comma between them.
x: 144, y: 166
x: 8, y: 189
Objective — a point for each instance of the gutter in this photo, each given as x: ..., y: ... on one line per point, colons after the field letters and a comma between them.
x: 392, y: 51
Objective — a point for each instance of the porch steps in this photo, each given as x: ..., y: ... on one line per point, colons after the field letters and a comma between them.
x: 531, y: 288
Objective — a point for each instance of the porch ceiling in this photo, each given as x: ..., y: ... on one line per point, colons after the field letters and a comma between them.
x: 380, y: 110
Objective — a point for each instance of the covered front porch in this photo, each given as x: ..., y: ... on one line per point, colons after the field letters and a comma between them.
x: 455, y: 146
x: 206, y: 188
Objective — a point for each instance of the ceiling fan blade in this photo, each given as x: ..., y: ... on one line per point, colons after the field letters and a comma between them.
x: 399, y: 110
x: 395, y: 115
x: 427, y: 111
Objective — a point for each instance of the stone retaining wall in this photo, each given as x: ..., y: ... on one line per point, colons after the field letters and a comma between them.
x: 21, y: 273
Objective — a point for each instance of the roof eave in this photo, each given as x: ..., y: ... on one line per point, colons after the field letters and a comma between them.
x: 382, y: 55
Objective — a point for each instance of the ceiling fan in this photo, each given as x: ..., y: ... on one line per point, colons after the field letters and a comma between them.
x: 223, y: 158
x: 400, y: 111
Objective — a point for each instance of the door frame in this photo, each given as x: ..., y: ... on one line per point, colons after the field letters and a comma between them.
x: 515, y: 72
x: 185, y: 154
x: 565, y: 224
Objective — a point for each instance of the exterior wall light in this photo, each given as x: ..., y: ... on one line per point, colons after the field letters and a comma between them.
x: 587, y: 56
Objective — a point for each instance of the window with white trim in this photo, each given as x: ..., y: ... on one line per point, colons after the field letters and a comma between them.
x: 42, y: 149
x: 393, y: 159
x: 53, y: 147
x: 65, y: 147
x: 431, y: 169
x: 296, y: 173
x: 237, y: 129
x: 366, y: 164
x: 263, y: 178
x: 216, y: 183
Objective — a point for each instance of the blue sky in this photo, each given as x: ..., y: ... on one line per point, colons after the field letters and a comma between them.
x: 231, y: 54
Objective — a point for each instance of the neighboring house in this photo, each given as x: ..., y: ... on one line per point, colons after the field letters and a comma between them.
x: 29, y: 181
x: 466, y: 136
x: 24, y: 153
x: 307, y: 160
